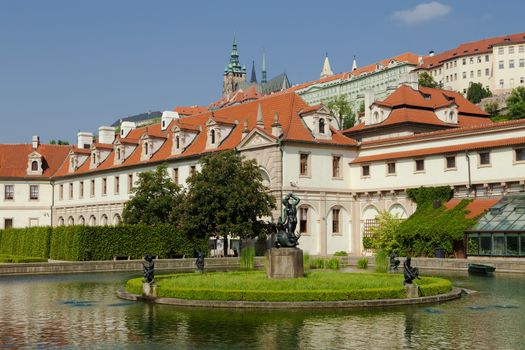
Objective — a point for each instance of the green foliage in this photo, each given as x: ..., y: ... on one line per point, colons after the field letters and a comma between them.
x: 227, y: 197
x: 427, y: 80
x: 342, y: 109
x: 433, y: 286
x: 20, y: 259
x: 104, y: 242
x: 322, y: 263
x: 28, y: 242
x: 476, y: 92
x: 491, y: 108
x: 383, y: 235
x: 362, y: 263
x: 255, y: 286
x: 59, y: 142
x: 155, y: 199
x: 362, y: 107
x: 381, y: 262
x: 341, y: 253
x: 423, y: 195
x: 247, y: 258
x: 516, y: 103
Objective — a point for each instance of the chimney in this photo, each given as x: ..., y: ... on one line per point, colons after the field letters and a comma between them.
x: 126, y: 127
x: 420, y: 60
x: 369, y: 99
x: 431, y: 53
x: 35, y: 142
x: 167, y: 117
x: 106, y: 134
x: 84, y: 139
x: 276, y: 126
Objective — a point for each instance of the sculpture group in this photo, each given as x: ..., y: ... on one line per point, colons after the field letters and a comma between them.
x: 287, y: 223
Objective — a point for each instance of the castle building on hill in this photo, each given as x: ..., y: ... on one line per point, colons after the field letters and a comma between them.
x: 415, y: 137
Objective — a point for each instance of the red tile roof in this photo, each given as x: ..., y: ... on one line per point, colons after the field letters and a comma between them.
x: 236, y: 97
x: 13, y: 159
x: 190, y: 110
x: 474, y: 146
x: 471, y: 48
x: 475, y: 208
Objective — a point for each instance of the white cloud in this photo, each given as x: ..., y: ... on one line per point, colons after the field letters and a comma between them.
x: 422, y: 12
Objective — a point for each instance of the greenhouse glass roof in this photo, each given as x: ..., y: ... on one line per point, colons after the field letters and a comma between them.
x: 506, y: 215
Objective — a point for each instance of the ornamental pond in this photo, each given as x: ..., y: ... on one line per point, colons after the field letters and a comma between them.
x: 82, y: 311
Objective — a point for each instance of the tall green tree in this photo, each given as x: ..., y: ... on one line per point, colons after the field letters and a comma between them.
x: 342, y: 109
x: 155, y: 199
x: 427, y: 80
x: 226, y: 197
x: 476, y: 92
x: 516, y: 103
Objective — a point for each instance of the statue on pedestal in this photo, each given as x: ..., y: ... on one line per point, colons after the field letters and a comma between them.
x: 287, y: 223
x: 199, y: 262
x: 149, y: 269
x: 410, y: 273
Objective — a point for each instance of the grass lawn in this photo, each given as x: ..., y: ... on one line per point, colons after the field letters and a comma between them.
x: 316, y: 286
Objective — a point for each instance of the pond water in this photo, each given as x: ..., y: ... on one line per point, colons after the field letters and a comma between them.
x: 82, y: 311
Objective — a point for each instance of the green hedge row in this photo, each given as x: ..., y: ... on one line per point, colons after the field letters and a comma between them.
x: 20, y: 259
x: 78, y: 243
x: 29, y: 242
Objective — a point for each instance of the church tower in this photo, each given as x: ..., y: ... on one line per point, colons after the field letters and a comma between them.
x: 233, y: 73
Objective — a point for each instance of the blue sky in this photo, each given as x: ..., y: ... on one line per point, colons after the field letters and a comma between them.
x: 67, y: 66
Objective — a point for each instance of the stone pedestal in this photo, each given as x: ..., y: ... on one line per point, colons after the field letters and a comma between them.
x: 284, y: 263
x: 149, y: 290
x: 412, y: 290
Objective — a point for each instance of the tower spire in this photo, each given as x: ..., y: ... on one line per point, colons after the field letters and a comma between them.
x: 253, y: 78
x: 326, y: 71
x: 263, y: 78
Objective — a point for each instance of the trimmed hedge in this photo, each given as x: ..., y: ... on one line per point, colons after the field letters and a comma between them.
x: 274, y: 291
x: 105, y: 242
x: 28, y: 242
x: 20, y: 259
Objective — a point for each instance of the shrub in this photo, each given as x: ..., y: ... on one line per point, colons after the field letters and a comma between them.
x: 306, y: 260
x: 20, y: 259
x: 247, y: 258
x: 381, y: 261
x: 28, y: 242
x: 341, y: 253
x: 362, y: 263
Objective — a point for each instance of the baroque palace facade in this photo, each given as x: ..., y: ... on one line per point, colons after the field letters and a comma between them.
x: 415, y: 137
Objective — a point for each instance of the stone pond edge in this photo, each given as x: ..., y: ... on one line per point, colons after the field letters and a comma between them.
x: 455, y: 293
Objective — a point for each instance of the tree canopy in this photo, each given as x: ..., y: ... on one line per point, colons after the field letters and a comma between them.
x: 226, y: 197
x: 427, y: 80
x: 155, y: 199
x: 342, y: 109
x: 516, y: 103
x: 59, y: 142
x: 476, y: 92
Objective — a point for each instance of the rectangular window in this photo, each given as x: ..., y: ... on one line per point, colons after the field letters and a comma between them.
x: 117, y: 184
x: 500, y: 51
x: 365, y: 170
x: 303, y: 164
x: 130, y: 182
x: 92, y: 193
x: 521, y: 49
x: 487, y: 71
x: 176, y: 175
x: 8, y: 223
x: 464, y: 75
x: 511, y: 63
x: 484, y: 158
x: 520, y: 154
x: 391, y: 168
x: 303, y: 220
x: 61, y: 192
x: 464, y: 61
x: 472, y: 74
x: 451, y: 162
x: 420, y: 165
x: 522, y: 62
x: 71, y: 190
x: 486, y: 58
x: 9, y: 192
x: 511, y: 49
x: 193, y: 169
x: 336, y: 166
x: 479, y: 73
x: 81, y: 189
x: 33, y: 192
x: 501, y: 65
x: 335, y: 221
x: 104, y: 186
x: 501, y: 83
x: 471, y: 60
x: 522, y: 80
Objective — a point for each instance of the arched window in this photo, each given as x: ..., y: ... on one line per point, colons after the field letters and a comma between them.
x: 213, y: 136
x: 451, y: 115
x: 70, y: 221
x: 177, y: 142
x: 34, y: 165
x: 81, y: 220
x: 104, y: 220
x: 118, y: 153
x: 376, y: 116
x: 60, y: 221
x: 321, y: 126
x: 145, y: 148
x: 116, y: 219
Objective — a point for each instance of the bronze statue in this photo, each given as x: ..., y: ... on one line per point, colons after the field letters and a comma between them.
x: 149, y: 269
x: 200, y: 261
x: 394, y: 261
x: 287, y: 223
x: 410, y: 273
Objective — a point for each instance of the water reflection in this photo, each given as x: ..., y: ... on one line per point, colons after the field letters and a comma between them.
x: 81, y: 311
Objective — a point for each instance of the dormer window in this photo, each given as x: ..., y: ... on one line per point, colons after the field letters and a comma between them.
x: 34, y: 165
x: 321, y: 126
x: 118, y: 154
x: 213, y: 136
x: 145, y: 148
x: 177, y: 142
x: 376, y: 116
x: 451, y: 116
